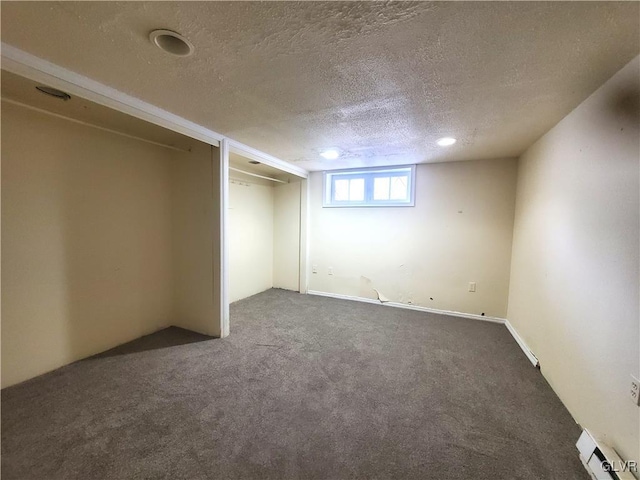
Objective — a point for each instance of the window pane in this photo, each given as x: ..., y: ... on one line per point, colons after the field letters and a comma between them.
x: 381, y: 188
x: 369, y: 187
x: 341, y: 193
x: 399, y: 188
x: 356, y: 190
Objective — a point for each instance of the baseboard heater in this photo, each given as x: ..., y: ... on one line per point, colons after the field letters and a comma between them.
x: 602, y: 462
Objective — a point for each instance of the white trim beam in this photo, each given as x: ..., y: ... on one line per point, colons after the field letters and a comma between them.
x: 303, y: 273
x: 253, y: 154
x: 39, y: 70
x: 34, y: 68
x: 223, y: 252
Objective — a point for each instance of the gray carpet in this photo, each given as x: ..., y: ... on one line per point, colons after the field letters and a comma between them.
x: 305, y: 387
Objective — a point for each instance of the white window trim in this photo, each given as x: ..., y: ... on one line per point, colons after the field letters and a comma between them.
x: 370, y: 172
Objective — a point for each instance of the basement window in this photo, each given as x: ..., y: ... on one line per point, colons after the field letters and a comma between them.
x: 371, y: 187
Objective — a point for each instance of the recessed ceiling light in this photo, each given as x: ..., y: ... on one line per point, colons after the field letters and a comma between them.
x: 171, y: 42
x: 330, y: 154
x: 446, y: 141
x: 54, y: 92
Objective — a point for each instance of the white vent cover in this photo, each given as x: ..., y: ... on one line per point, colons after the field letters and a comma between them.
x: 601, y: 461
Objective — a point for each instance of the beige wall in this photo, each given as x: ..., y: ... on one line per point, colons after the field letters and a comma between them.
x: 413, y: 254
x: 286, y: 243
x: 264, y: 236
x: 86, y: 241
x: 195, y: 239
x: 106, y: 239
x: 251, y: 234
x: 574, y: 274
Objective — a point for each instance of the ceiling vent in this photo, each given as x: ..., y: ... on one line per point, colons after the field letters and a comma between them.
x: 171, y: 42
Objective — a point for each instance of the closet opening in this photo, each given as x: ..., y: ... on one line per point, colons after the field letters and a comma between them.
x: 108, y: 230
x: 265, y: 238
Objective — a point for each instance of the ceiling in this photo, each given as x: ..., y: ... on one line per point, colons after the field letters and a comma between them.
x: 380, y: 81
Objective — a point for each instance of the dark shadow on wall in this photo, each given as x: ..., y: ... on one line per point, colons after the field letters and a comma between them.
x: 626, y: 104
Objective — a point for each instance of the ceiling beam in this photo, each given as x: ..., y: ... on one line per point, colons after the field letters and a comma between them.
x: 266, y: 159
x: 34, y: 68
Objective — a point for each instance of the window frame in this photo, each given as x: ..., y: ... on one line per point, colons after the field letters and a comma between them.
x: 369, y: 174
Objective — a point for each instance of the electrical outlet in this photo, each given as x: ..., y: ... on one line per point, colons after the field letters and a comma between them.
x: 472, y: 286
x: 314, y: 269
x: 634, y: 390
x: 330, y: 270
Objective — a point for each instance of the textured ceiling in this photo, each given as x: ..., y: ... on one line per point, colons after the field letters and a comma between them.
x: 380, y: 81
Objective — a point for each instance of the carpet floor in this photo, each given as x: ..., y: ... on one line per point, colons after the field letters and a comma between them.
x: 304, y: 388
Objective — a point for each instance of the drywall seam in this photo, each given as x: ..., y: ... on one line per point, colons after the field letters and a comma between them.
x: 409, y: 307
x: 527, y: 351
x: 34, y: 68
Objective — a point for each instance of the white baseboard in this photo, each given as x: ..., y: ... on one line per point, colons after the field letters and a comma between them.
x: 343, y: 297
x: 601, y: 461
x: 407, y: 306
x: 527, y: 351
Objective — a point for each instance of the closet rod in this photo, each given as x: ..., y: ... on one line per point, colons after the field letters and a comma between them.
x: 87, y: 124
x: 256, y: 175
